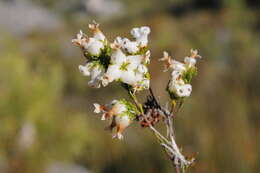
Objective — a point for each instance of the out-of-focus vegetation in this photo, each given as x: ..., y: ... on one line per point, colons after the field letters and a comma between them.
x: 46, y: 106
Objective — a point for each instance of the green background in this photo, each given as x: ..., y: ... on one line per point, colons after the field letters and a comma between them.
x: 46, y: 110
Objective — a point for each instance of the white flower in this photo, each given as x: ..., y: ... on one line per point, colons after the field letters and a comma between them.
x: 118, y: 108
x: 129, y: 77
x: 94, y: 46
x: 124, y: 67
x: 167, y: 61
x: 135, y: 59
x: 190, y: 61
x: 180, y: 89
x: 121, y: 122
x: 130, y: 46
x: 96, y: 76
x: 85, y: 70
x: 141, y: 35
x: 135, y: 32
x: 194, y: 53
x: 142, y: 68
x: 80, y: 39
x: 98, y: 108
x: 113, y: 73
x: 176, y: 75
x: 121, y: 112
x: 117, y: 56
x: 178, y: 66
x: 113, y: 109
x: 184, y: 90
x: 97, y: 34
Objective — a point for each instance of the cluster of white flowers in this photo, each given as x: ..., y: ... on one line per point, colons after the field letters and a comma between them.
x: 179, y: 85
x: 121, y: 112
x: 123, y: 60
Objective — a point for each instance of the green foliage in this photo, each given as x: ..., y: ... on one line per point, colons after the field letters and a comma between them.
x: 188, y: 75
x: 132, y: 110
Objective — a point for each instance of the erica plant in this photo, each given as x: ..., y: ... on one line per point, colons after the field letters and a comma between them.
x: 126, y: 62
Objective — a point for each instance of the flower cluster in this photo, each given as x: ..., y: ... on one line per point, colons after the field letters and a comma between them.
x: 121, y: 112
x: 123, y: 60
x: 179, y: 86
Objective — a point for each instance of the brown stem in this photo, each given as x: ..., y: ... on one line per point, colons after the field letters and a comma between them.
x: 177, y: 169
x: 170, y: 146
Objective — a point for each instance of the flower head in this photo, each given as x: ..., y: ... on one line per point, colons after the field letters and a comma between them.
x: 97, y: 34
x: 122, y: 113
x: 182, y: 73
x: 141, y: 35
x: 123, y: 60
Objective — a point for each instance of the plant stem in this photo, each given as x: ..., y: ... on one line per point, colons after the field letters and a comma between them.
x: 169, y: 145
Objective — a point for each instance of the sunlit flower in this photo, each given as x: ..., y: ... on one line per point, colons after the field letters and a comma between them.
x: 95, y: 71
x: 128, y: 69
x: 179, y: 88
x: 97, y: 34
x: 179, y: 85
x: 167, y: 60
x: 131, y: 47
x: 124, y: 60
x: 85, y: 69
x: 141, y: 35
x: 80, y: 39
x: 93, y: 46
x: 121, y: 122
x: 121, y: 112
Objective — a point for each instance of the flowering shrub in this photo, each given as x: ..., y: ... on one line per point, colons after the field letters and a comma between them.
x: 126, y: 61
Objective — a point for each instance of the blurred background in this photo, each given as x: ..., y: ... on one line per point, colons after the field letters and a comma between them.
x: 47, y: 124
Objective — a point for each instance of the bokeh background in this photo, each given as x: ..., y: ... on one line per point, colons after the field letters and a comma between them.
x: 47, y: 124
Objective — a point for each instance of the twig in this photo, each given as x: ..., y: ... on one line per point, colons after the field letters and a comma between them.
x: 169, y: 145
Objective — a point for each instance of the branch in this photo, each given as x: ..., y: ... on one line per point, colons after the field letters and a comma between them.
x: 169, y: 145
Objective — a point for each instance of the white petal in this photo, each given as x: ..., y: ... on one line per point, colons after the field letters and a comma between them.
x: 178, y: 66
x: 135, y: 32
x: 99, y: 36
x: 119, y: 41
x: 142, y: 68
x: 117, y: 56
x: 184, y: 90
x: 180, y: 89
x: 123, y: 121
x: 103, y: 117
x: 96, y: 76
x: 129, y: 77
x: 118, y: 136
x: 190, y: 61
x: 94, y: 48
x: 175, y: 74
x: 97, y: 108
x: 141, y: 35
x: 119, y: 108
x: 145, y: 30
x: 84, y: 70
x: 130, y: 46
x: 114, y: 102
x: 135, y: 59
x: 113, y: 72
